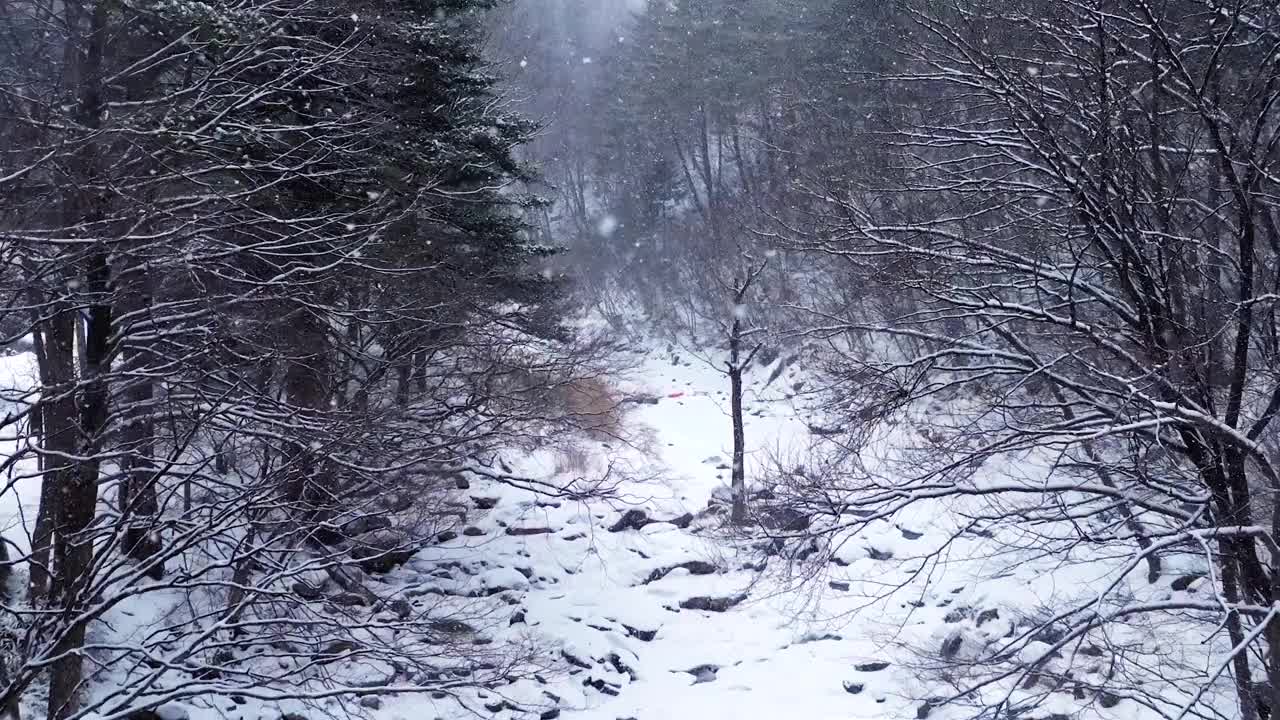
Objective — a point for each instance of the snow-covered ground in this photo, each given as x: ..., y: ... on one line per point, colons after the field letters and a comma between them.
x: 677, y: 619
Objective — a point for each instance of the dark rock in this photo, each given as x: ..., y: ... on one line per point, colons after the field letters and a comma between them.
x: 574, y: 660
x: 695, y: 567
x: 337, y: 647
x: 529, y: 531
x: 307, y: 592
x: 461, y: 483
x: 517, y: 618
x: 956, y: 615
x: 472, y: 531
x: 143, y: 715
x: 683, y: 522
x: 951, y: 646
x: 372, y: 702
x: 383, y: 551
x: 1185, y: 581
x: 782, y: 519
x: 875, y: 666
x: 987, y: 616
x: 451, y: 627
x: 853, y: 688
x: 601, y: 686
x: 293, y: 716
x: 620, y: 667
x: 712, y: 604
x: 446, y: 536
x: 485, y: 503
x: 551, y: 714
x: 837, y: 585
x: 910, y: 534
x: 364, y: 524
x: 401, y: 608
x: 496, y: 707
x: 1049, y: 635
x: 349, y: 599
x: 703, y: 673
x: 1108, y: 700
x: 878, y: 554
x: 641, y: 635
x: 631, y: 520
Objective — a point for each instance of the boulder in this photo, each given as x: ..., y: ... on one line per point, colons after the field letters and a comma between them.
x: 472, y: 531
x: 365, y: 524
x: 695, y: 567
x: 516, y: 531
x: 712, y: 604
x: 683, y: 521
x: 853, y: 688
x: 874, y: 666
x: 782, y: 518
x: 383, y: 551
x: 484, y: 503
x: 631, y: 520
x: 641, y: 635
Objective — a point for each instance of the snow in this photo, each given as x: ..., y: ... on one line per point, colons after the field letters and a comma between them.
x: 618, y: 643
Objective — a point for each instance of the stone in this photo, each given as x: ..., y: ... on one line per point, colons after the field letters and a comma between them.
x: 484, y: 503
x: 683, y: 522
x: 641, y: 635
x: 874, y: 666
x: 838, y: 585
x: 446, y: 536
x: 1185, y: 582
x: 695, y: 567
x: 372, y: 702
x: 349, y: 599
x: 712, y: 604
x: 951, y: 646
x: 551, y: 714
x: 703, y: 673
x: 783, y: 519
x: 383, y: 551
x: 472, y: 531
x: 401, y: 608
x: 631, y: 520
x: 529, y: 531
x: 910, y: 534
x: 364, y: 524
x: 307, y: 592
x: 853, y: 688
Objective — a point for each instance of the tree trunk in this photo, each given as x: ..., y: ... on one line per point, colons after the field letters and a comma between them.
x: 79, y: 500
x: 739, y: 482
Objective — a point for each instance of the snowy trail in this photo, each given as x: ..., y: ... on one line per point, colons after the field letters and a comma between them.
x: 632, y: 651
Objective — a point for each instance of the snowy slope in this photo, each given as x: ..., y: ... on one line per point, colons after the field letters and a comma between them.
x: 680, y: 620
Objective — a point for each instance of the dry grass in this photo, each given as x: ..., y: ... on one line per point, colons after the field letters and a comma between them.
x: 593, y: 406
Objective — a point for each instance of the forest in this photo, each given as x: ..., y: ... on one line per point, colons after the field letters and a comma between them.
x: 639, y: 359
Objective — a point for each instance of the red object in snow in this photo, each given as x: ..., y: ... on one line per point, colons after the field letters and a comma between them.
x: 676, y: 394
